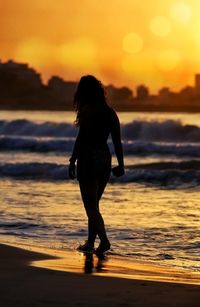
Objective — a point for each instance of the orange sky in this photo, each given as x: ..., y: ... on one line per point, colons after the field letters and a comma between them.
x: 124, y: 42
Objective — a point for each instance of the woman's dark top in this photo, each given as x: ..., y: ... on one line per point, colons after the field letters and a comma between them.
x: 91, y: 148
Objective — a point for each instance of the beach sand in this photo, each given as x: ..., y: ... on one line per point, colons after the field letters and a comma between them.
x: 34, y: 276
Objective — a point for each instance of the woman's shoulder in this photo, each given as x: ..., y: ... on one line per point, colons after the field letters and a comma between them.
x: 95, y: 113
x: 110, y: 111
x: 113, y: 114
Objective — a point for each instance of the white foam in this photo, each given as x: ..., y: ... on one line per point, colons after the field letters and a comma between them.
x: 165, y: 131
x: 150, y: 175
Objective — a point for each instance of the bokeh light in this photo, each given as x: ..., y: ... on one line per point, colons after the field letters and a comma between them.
x: 132, y: 43
x: 160, y: 26
x: 78, y: 54
x: 168, y: 60
x: 34, y: 51
x: 181, y: 12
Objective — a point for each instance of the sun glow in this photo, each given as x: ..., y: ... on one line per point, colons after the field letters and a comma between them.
x: 181, y: 12
x: 79, y: 54
x: 120, y: 41
x: 160, y: 26
x: 168, y: 60
x: 34, y: 51
x: 132, y: 43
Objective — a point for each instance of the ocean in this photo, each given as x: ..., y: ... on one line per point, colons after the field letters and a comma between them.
x: 152, y: 213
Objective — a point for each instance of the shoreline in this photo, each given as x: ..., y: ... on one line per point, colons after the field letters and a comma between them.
x: 111, y: 266
x: 68, y: 260
x: 25, y: 284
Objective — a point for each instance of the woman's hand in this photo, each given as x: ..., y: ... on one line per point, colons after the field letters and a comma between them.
x: 118, y: 171
x: 71, y: 170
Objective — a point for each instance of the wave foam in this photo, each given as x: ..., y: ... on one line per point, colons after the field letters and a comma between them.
x: 138, y: 148
x: 166, y: 131
x: 163, y: 174
x: 25, y: 127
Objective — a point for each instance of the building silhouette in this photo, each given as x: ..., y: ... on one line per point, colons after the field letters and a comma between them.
x: 21, y: 87
x: 197, y: 83
x: 20, y: 73
x: 142, y: 92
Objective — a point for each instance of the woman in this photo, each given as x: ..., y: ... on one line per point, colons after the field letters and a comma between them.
x: 96, y: 120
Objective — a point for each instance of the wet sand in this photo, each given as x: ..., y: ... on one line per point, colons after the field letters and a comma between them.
x: 33, y: 276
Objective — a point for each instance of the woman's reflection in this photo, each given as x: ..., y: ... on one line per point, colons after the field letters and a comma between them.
x: 89, y: 266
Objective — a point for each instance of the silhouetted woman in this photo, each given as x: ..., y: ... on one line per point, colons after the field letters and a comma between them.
x: 96, y: 120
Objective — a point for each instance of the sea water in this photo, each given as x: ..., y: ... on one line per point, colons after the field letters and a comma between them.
x: 152, y: 213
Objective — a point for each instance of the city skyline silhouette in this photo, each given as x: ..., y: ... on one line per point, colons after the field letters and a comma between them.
x: 23, y: 88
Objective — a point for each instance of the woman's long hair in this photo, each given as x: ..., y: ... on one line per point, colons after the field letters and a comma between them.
x: 90, y: 91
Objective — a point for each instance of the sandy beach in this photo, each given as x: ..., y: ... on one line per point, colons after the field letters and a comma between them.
x: 68, y: 279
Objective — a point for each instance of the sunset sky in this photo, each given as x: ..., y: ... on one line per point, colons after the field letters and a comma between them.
x: 123, y: 42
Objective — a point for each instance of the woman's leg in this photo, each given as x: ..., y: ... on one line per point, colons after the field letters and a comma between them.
x: 101, y: 185
x: 90, y: 195
x: 91, y: 227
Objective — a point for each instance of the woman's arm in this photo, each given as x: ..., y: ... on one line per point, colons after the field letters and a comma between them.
x: 116, y: 138
x: 79, y: 142
x: 81, y: 135
x: 74, y: 156
x: 75, y: 151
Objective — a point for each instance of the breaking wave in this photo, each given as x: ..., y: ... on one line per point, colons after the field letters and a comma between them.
x: 25, y: 127
x: 166, y: 131
x: 163, y: 173
x: 34, y: 144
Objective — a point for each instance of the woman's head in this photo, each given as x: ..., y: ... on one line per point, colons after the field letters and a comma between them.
x: 90, y: 91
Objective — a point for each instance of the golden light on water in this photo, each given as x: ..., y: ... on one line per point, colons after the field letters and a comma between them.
x: 132, y: 43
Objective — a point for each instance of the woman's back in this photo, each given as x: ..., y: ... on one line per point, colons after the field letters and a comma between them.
x: 95, y: 126
x: 96, y: 120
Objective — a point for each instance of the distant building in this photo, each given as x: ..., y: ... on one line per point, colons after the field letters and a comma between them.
x: 142, y: 92
x: 120, y: 98
x: 187, y: 92
x: 59, y: 85
x: 21, y: 88
x: 197, y: 83
x: 63, y: 90
x: 21, y: 74
x: 122, y: 93
x: 164, y: 92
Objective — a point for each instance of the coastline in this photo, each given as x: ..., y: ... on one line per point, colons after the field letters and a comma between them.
x: 36, y: 276
x: 136, y: 109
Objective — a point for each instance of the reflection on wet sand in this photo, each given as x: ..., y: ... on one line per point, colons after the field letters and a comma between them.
x: 74, y: 262
x: 95, y: 265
